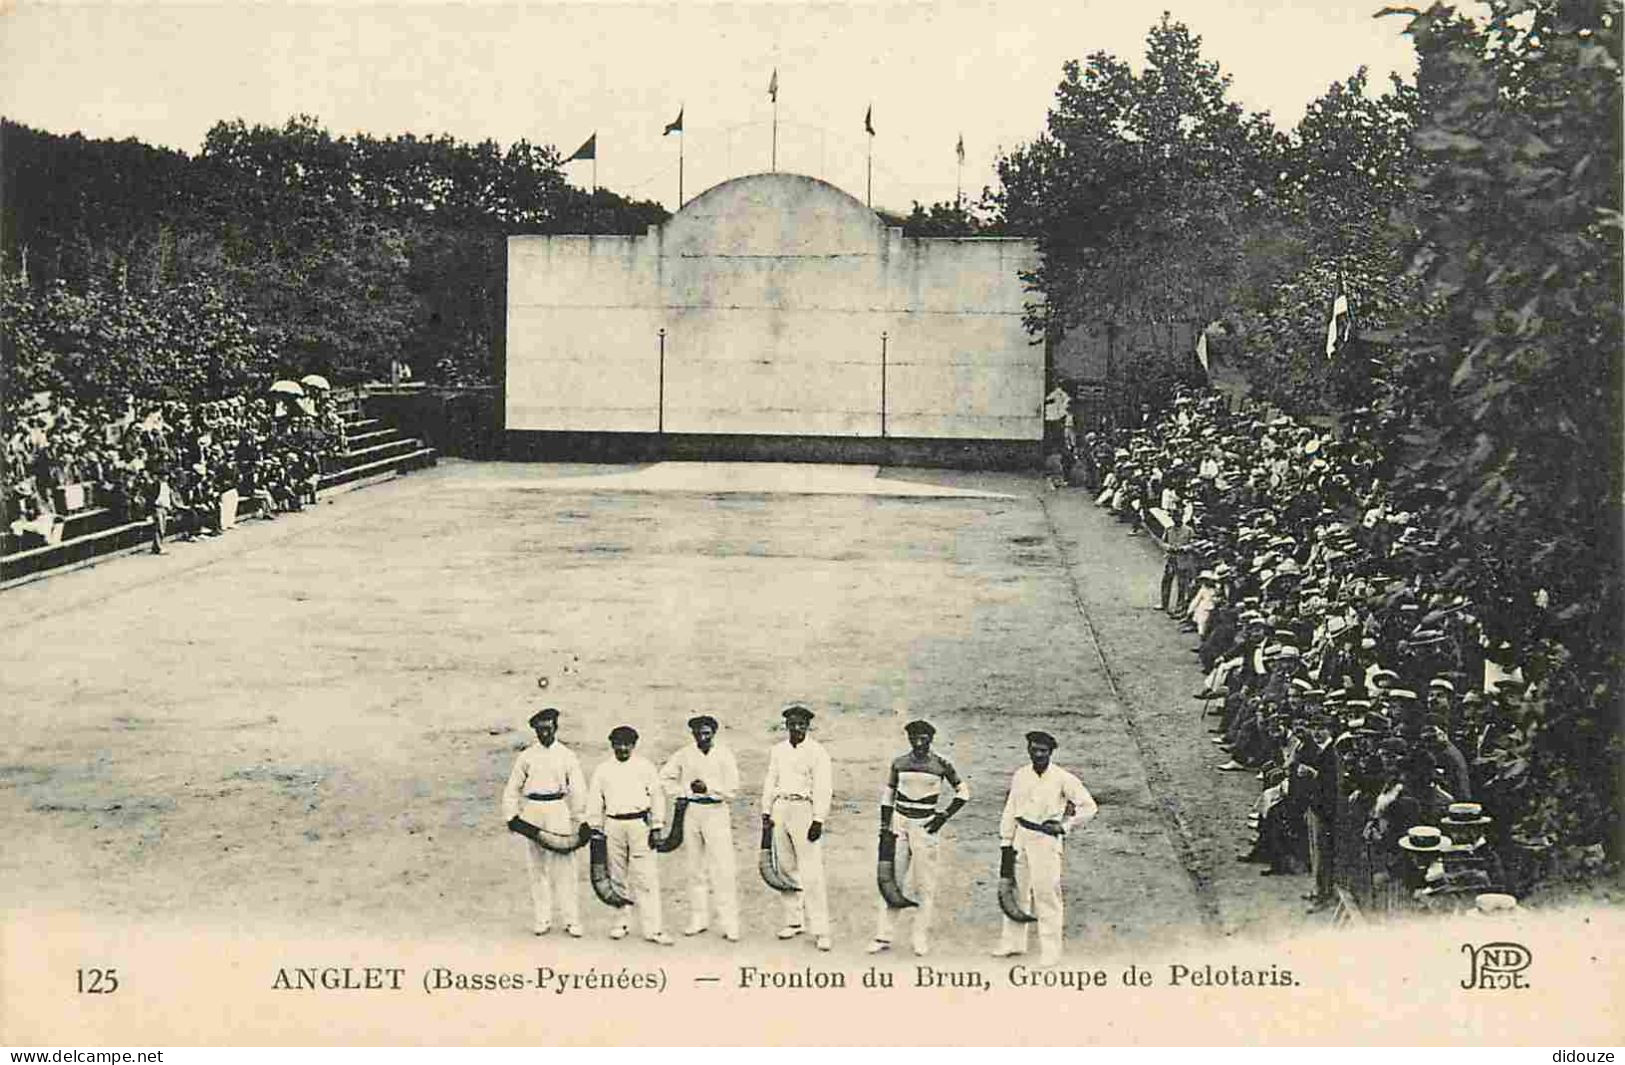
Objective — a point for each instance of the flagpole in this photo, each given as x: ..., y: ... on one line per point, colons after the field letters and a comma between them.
x: 679, y: 170
x: 959, y: 177
x: 869, y: 175
x: 775, y: 158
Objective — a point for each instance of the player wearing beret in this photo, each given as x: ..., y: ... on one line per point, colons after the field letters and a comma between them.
x: 1046, y: 802
x: 909, y: 809
x: 705, y: 773
x: 626, y: 804
x: 796, y: 797
x: 547, y: 789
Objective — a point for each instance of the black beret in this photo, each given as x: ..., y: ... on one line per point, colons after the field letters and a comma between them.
x: 547, y: 713
x: 800, y: 710
x: 920, y: 726
x: 702, y: 719
x: 1045, y: 738
x: 623, y: 733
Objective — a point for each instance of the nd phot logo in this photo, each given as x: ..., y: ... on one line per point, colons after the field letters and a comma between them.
x: 1496, y: 966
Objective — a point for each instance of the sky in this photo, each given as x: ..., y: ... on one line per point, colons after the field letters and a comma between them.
x: 554, y: 73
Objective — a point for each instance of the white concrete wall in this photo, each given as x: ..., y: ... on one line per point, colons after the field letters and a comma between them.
x: 774, y: 291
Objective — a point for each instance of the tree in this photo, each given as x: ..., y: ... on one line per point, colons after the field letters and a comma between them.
x: 944, y: 219
x: 1346, y: 210
x: 1503, y: 392
x: 1140, y: 192
x: 344, y: 253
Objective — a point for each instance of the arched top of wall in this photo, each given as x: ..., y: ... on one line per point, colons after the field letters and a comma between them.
x: 773, y: 215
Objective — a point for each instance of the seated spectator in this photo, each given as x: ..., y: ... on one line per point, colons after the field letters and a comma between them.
x: 72, y: 455
x: 1323, y: 606
x: 36, y: 527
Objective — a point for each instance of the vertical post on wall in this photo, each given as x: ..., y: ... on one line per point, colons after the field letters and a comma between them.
x: 1112, y: 398
x: 883, y: 336
x: 660, y: 397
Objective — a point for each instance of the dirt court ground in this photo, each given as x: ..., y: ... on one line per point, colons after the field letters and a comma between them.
x: 307, y: 724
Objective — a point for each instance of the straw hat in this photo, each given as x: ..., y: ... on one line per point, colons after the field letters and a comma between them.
x: 1424, y: 839
x: 1494, y: 902
x: 1465, y: 815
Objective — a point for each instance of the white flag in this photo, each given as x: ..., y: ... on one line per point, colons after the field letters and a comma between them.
x: 1334, y: 328
x: 1201, y: 350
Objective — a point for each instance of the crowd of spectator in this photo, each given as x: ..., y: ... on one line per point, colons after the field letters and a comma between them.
x: 1341, y: 666
x: 187, y: 466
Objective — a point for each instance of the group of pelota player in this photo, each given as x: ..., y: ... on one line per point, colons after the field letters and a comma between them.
x: 621, y: 811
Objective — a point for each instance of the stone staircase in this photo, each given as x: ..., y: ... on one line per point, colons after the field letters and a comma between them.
x: 375, y: 449
x: 375, y: 452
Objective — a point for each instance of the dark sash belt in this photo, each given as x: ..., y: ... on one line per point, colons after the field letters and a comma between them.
x: 639, y: 816
x: 703, y: 799
x: 918, y: 809
x: 1031, y: 826
x: 544, y: 796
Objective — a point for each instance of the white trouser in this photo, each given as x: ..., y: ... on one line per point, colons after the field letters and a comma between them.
x: 228, y: 508
x: 633, y: 865
x: 916, y: 875
x: 1200, y: 614
x: 553, y: 877
x: 709, y: 840
x: 1038, y: 886
x: 803, y: 862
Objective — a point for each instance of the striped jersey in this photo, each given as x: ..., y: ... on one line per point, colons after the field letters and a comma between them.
x: 913, y: 784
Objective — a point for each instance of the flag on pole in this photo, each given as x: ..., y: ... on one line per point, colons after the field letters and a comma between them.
x: 959, y: 149
x: 773, y: 86
x: 1337, y: 328
x: 1201, y: 351
x: 588, y: 149
x: 676, y: 124
x: 869, y: 120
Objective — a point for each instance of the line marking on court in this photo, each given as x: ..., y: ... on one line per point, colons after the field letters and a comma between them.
x: 1157, y: 776
x: 756, y: 478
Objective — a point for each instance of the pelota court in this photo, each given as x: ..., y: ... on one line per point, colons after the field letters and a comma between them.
x: 307, y: 724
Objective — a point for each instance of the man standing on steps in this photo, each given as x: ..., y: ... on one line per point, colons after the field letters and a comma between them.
x: 795, y: 803
x: 548, y: 790
x: 626, y: 804
x: 705, y: 771
x: 914, y: 784
x: 1046, y: 802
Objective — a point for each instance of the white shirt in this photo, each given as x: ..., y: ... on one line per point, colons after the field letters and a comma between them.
x: 802, y: 770
x: 717, y: 771
x: 1043, y: 798
x: 627, y: 787
x: 1202, y: 606
x: 544, y: 770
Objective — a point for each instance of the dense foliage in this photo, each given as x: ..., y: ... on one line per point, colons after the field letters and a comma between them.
x: 1473, y: 221
x: 270, y: 250
x: 1501, y: 387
